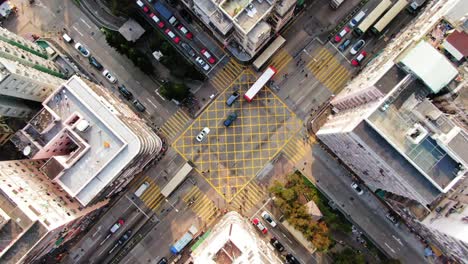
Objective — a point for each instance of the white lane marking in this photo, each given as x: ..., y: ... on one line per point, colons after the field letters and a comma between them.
x: 397, y: 239
x: 390, y: 248
x: 160, y: 96
x: 287, y: 238
x: 82, y: 20
x: 155, y: 106
x: 97, y: 231
x: 78, y: 31
x: 340, y: 52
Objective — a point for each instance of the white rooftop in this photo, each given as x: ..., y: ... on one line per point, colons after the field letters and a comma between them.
x: 111, y: 145
x: 234, y: 240
x: 429, y: 65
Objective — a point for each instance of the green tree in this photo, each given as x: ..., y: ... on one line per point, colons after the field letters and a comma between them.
x: 122, y: 46
x: 120, y: 7
x: 177, y: 91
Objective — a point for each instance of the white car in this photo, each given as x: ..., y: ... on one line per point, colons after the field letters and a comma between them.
x: 202, y: 63
x: 356, y: 187
x: 109, y: 76
x: 83, y: 51
x: 357, y: 47
x: 268, y: 218
x: 202, y: 134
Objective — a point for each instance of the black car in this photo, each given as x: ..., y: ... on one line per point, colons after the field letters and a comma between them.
x: 139, y: 106
x: 125, y: 92
x: 162, y: 261
x: 125, y: 237
x: 95, y: 63
x: 188, y: 49
x: 276, y: 244
x: 291, y: 259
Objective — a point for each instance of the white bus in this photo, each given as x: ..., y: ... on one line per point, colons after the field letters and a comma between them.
x: 389, y: 16
x: 176, y: 180
x: 372, y: 17
x: 258, y: 85
x: 268, y: 52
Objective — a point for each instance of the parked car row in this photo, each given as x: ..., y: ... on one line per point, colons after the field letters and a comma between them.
x: 273, y: 240
x: 175, y: 38
x: 358, y: 45
x: 105, y: 72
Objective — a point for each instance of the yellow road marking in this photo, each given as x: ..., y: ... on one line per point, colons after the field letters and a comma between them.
x: 175, y: 123
x: 328, y: 70
x: 242, y: 160
x: 281, y: 59
x: 248, y: 197
x: 226, y: 75
x: 203, y: 206
x: 297, y: 149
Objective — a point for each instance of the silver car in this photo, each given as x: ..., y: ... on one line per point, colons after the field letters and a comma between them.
x: 202, y: 63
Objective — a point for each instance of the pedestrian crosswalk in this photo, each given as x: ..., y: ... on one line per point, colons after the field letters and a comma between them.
x: 201, y: 205
x: 281, y: 59
x: 297, y: 148
x: 175, y: 124
x: 247, y: 198
x: 152, y: 197
x: 328, y: 70
x: 226, y: 75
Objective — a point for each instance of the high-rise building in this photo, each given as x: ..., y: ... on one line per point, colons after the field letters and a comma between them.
x: 93, y: 143
x: 36, y: 215
x: 244, y: 27
x: 234, y: 240
x: 386, y: 129
x: 26, y: 74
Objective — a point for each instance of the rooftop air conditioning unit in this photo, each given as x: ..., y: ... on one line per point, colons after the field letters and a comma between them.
x: 416, y: 133
x: 82, y: 125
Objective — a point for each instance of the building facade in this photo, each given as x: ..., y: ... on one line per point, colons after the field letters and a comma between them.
x: 244, y: 27
x: 387, y: 130
x: 37, y: 216
x: 26, y: 74
x: 93, y: 143
x: 234, y: 240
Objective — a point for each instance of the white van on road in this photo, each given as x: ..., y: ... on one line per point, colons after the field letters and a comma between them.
x: 142, y: 189
x: 357, y: 19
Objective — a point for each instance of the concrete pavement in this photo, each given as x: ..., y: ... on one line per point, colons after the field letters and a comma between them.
x: 365, y: 211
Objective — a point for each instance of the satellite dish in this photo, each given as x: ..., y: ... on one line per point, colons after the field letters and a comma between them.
x: 27, y: 150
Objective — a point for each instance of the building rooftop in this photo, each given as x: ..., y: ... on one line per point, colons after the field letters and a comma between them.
x: 456, y: 44
x: 252, y: 14
x: 234, y: 240
x: 260, y: 32
x: 429, y: 65
x: 420, y: 133
x: 414, y: 179
x: 81, y: 133
x: 131, y: 30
